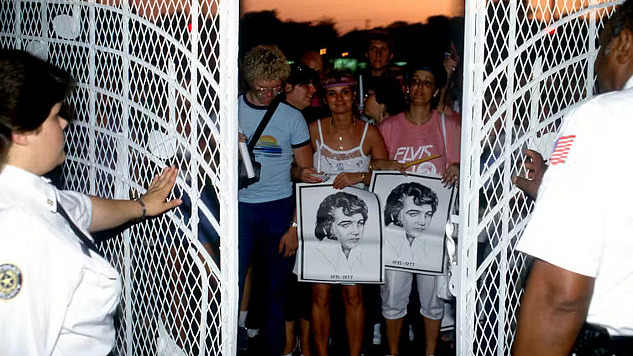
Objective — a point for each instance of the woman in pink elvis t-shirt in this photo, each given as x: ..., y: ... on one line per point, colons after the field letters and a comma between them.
x: 421, y: 131
x: 416, y: 133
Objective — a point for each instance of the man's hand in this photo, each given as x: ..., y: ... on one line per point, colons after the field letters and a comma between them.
x: 289, y: 243
x: 241, y: 137
x: 450, y: 65
x: 305, y: 174
x: 536, y: 168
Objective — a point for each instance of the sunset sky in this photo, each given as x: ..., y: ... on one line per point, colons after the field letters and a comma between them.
x: 350, y: 14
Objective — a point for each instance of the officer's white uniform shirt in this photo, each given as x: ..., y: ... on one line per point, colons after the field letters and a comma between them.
x: 63, y: 299
x: 583, y: 218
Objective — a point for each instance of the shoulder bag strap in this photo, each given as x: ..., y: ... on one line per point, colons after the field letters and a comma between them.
x: 262, y: 125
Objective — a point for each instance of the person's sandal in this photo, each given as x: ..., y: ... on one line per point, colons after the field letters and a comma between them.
x: 297, y: 346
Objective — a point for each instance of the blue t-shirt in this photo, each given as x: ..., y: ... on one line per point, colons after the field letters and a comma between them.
x: 285, y: 131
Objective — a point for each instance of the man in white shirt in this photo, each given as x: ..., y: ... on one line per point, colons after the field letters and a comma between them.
x: 580, y: 231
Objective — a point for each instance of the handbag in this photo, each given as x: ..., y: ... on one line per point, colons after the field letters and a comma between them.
x: 447, y: 284
x: 242, y: 175
x: 243, y: 179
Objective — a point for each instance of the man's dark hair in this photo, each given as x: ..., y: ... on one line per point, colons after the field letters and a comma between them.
x: 29, y: 88
x: 300, y: 74
x: 422, y: 195
x: 382, y: 36
x: 351, y: 205
x: 388, y: 93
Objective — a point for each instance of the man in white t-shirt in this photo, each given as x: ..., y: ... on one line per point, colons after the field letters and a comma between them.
x: 580, y: 231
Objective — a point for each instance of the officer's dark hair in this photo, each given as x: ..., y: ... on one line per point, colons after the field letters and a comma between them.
x: 351, y: 205
x: 29, y: 88
x: 422, y: 195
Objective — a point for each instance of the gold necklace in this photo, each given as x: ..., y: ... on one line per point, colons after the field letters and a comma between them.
x: 340, y: 136
x: 410, y: 118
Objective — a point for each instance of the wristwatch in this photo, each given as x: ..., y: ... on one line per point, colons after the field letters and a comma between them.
x: 293, y: 224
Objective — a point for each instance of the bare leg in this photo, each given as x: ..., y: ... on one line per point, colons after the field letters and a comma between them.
x: 354, y: 317
x: 431, y: 334
x: 321, y: 296
x: 290, y: 337
x: 246, y: 295
x: 393, y: 328
x: 305, y: 336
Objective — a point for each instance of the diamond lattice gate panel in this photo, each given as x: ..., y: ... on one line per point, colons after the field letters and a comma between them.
x: 157, y: 86
x: 526, y: 64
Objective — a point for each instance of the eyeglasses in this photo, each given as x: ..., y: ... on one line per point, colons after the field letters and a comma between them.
x: 263, y: 90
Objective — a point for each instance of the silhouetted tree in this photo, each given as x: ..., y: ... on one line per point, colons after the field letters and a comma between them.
x: 413, y: 41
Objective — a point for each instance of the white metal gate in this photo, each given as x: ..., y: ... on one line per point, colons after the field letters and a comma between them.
x: 157, y: 87
x: 527, y: 62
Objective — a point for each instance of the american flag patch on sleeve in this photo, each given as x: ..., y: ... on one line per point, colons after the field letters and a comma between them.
x: 563, y: 145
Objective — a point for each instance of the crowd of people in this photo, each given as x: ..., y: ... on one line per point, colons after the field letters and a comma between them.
x: 576, y: 294
x: 318, y: 131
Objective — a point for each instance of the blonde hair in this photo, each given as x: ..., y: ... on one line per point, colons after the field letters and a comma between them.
x: 265, y: 62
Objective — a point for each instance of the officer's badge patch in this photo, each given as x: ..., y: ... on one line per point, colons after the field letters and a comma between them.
x: 10, y: 281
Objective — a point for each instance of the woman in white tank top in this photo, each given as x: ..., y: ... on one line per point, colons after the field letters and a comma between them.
x: 344, y: 146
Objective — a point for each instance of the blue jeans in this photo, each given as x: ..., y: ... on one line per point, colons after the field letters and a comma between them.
x: 261, y: 227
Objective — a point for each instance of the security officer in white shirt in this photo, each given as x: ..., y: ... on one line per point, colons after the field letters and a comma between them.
x: 57, y: 293
x: 582, y: 226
